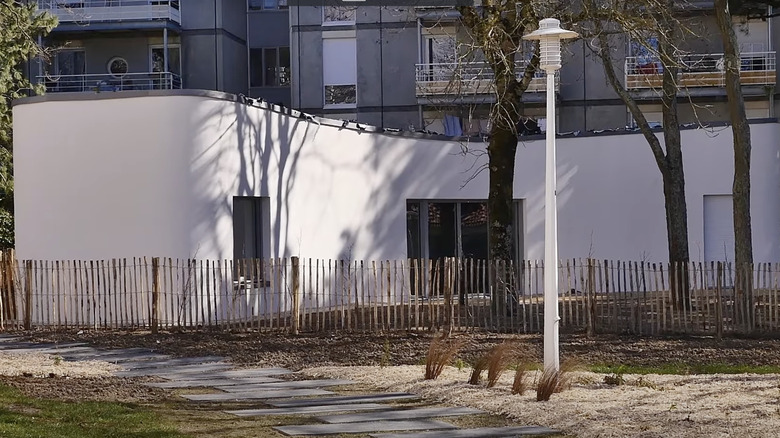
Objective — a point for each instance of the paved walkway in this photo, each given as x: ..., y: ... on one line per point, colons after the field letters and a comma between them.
x: 339, y: 414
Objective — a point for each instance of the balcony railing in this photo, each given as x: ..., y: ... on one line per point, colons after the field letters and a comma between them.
x: 468, y: 78
x: 106, y: 82
x: 701, y: 70
x: 87, y: 11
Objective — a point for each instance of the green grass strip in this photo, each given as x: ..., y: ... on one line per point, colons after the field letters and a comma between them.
x: 685, y: 369
x: 25, y: 417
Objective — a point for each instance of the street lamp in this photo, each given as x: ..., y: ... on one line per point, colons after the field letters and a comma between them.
x: 550, y: 35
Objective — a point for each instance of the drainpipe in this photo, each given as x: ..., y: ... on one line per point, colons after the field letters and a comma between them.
x: 166, y: 76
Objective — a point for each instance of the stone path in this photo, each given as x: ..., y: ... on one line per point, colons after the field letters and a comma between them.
x: 339, y: 414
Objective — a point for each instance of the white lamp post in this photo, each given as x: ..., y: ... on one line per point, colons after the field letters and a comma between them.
x: 550, y: 35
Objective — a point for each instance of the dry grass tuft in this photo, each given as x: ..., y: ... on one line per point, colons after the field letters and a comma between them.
x: 440, y: 353
x: 551, y: 382
x: 498, y: 359
x: 520, y: 384
x: 476, y: 372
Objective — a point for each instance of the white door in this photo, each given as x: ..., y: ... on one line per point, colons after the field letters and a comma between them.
x: 718, y: 228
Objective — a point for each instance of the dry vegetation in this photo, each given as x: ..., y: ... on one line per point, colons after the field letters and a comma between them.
x: 440, y: 354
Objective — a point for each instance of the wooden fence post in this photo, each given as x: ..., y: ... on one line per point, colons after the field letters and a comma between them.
x: 155, y: 294
x: 590, y: 300
x: 719, y: 303
x: 296, y: 295
x: 28, y: 277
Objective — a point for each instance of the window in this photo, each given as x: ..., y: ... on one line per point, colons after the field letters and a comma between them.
x: 437, y: 229
x: 338, y: 15
x: 117, y: 66
x: 339, y: 59
x: 157, y: 59
x: 269, y: 67
x: 255, y: 5
x: 247, y: 227
x: 66, y: 72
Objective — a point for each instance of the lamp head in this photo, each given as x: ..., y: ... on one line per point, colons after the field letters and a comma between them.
x: 550, y: 35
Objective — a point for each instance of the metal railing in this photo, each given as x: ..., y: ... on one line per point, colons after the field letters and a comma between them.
x: 106, y: 82
x: 86, y: 11
x: 469, y: 77
x: 701, y: 70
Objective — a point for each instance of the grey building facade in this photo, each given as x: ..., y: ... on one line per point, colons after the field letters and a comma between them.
x: 117, y: 45
x: 395, y: 67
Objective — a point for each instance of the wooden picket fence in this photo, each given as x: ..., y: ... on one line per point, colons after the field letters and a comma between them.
x: 309, y: 295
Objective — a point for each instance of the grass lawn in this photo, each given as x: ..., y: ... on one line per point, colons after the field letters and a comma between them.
x: 24, y: 417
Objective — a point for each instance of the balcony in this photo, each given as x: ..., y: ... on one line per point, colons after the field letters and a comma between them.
x: 701, y: 70
x: 467, y: 78
x: 93, y: 11
x: 96, y: 83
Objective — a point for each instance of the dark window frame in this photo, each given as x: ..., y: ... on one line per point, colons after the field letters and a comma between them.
x: 281, y: 74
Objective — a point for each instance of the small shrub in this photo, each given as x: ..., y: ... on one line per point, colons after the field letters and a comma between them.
x: 57, y: 360
x: 520, y: 383
x: 440, y: 354
x: 552, y: 382
x: 385, y: 360
x: 614, y: 379
x: 460, y: 364
x: 476, y: 372
x: 498, y: 359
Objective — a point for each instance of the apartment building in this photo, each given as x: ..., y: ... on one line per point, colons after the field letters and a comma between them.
x: 122, y: 45
x: 412, y: 68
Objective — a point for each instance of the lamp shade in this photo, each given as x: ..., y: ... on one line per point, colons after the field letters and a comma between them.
x: 550, y: 35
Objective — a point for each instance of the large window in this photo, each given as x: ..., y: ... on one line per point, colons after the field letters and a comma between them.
x: 157, y: 59
x: 438, y: 229
x: 269, y: 67
x: 339, y: 70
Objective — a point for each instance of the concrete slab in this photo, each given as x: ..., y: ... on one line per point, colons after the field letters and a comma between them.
x: 135, y: 357
x: 189, y: 372
x: 377, y: 426
x: 307, y: 410
x: 484, y: 432
x: 171, y: 362
x: 36, y: 348
x: 292, y: 384
x: 256, y: 395
x: 256, y: 372
x: 220, y: 383
x: 343, y: 399
x: 400, y: 414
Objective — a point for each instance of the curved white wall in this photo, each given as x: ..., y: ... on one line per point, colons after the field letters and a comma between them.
x: 155, y: 175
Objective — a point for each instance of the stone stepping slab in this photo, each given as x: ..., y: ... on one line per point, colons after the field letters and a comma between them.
x: 376, y: 426
x: 171, y: 362
x: 255, y: 372
x: 222, y: 383
x: 484, y: 432
x: 22, y: 347
x: 292, y: 384
x: 189, y: 372
x: 343, y: 399
x: 400, y: 414
x: 304, y: 410
x: 257, y: 395
x: 132, y: 358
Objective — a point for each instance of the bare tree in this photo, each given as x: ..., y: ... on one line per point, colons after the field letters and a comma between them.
x: 496, y: 29
x: 605, y: 22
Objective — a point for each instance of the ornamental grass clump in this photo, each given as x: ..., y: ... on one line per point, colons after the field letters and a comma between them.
x: 441, y: 352
x: 552, y: 382
x: 520, y: 382
x: 498, y: 360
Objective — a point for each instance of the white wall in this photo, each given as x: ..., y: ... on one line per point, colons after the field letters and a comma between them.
x: 155, y: 175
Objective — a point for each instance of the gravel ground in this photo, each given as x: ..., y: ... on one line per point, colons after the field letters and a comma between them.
x: 650, y: 406
x: 303, y: 351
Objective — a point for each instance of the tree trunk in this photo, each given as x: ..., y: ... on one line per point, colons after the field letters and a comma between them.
x: 674, y: 178
x: 501, y: 160
x: 743, y: 236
